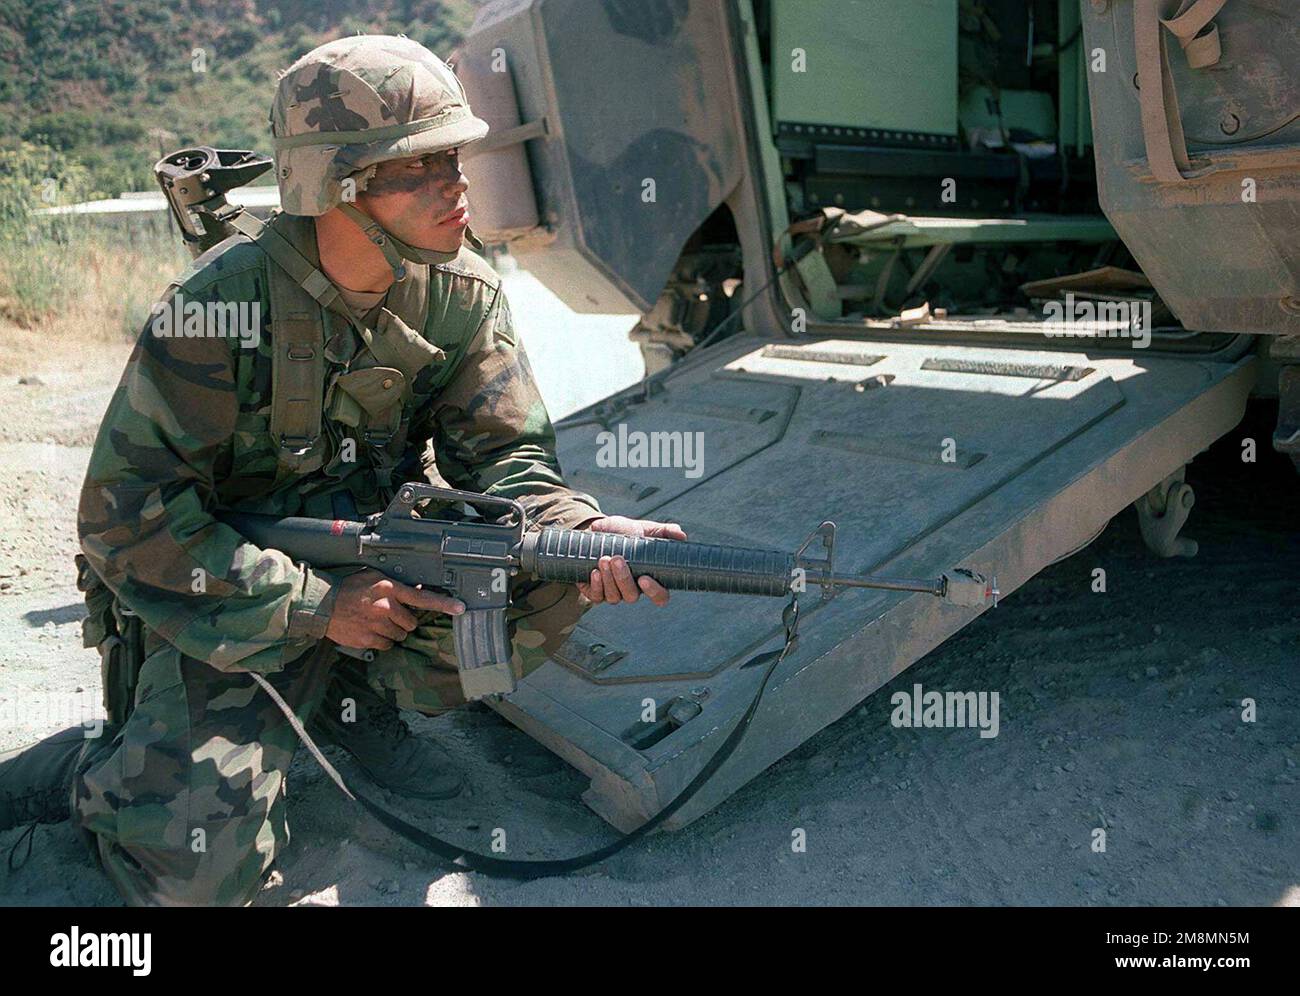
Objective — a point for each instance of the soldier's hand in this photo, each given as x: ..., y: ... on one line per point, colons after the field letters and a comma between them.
x: 372, y: 612
x: 612, y: 582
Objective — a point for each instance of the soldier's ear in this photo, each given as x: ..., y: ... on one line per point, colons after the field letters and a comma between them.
x: 362, y: 179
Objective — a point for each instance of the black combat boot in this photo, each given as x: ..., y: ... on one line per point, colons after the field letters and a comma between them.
x: 381, y: 742
x: 36, y: 781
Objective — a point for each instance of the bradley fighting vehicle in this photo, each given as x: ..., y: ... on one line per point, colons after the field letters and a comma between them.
x: 968, y: 276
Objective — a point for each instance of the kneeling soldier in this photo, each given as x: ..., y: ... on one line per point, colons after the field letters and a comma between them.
x: 382, y: 351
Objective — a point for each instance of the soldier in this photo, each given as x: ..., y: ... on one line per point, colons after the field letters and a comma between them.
x: 384, y: 351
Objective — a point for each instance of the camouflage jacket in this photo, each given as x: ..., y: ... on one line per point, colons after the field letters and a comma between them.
x: 186, y: 433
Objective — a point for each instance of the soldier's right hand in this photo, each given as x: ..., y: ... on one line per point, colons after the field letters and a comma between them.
x: 372, y: 612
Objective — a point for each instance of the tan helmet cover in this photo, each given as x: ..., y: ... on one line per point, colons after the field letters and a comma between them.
x: 358, y: 101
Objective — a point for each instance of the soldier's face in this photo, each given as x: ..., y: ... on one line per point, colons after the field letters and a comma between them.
x: 420, y: 200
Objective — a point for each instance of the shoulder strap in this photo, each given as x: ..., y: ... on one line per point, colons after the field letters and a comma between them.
x: 409, y: 299
x: 298, y: 291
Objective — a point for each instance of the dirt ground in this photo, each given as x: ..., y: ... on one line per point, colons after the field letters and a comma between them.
x: 1120, y: 711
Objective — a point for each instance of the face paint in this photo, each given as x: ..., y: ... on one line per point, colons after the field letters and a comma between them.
x: 418, y: 192
x: 408, y: 199
x: 426, y: 175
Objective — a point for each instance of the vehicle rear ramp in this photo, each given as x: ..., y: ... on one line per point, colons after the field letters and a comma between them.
x: 927, y: 457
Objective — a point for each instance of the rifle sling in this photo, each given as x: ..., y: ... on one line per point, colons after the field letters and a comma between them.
x: 462, y: 859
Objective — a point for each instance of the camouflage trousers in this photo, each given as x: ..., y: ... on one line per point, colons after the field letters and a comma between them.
x: 186, y: 805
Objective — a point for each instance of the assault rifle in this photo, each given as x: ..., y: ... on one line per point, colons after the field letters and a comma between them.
x: 474, y: 561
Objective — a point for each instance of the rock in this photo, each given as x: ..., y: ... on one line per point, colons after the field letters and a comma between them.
x: 31, y: 380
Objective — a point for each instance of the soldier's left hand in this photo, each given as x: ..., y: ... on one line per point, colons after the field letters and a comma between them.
x: 613, y: 583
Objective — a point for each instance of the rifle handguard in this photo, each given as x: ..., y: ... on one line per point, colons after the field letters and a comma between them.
x: 570, y: 555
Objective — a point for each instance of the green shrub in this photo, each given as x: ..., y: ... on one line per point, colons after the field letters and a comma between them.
x: 38, y: 255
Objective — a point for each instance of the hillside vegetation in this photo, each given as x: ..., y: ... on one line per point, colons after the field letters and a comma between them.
x: 110, y: 83
x: 92, y: 92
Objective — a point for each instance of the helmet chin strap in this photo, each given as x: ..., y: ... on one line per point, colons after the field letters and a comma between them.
x: 395, y: 251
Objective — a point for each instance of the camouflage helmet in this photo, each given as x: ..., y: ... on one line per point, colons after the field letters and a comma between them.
x: 358, y: 101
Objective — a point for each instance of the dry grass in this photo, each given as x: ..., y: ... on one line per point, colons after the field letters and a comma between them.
x: 61, y: 291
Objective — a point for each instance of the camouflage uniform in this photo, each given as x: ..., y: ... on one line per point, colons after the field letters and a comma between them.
x: 188, y: 803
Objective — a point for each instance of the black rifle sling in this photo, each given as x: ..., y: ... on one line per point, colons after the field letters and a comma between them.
x: 462, y: 859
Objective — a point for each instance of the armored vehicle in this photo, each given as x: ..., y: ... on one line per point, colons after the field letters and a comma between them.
x: 969, y: 278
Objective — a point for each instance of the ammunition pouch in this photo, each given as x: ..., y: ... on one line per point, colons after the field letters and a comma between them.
x: 115, y: 631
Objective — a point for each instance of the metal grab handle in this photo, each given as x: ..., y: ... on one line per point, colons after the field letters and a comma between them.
x: 412, y: 494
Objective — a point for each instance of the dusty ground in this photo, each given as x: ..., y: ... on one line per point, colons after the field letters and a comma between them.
x: 1119, y: 710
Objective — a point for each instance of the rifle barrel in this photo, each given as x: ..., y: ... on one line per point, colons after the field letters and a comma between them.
x: 929, y: 587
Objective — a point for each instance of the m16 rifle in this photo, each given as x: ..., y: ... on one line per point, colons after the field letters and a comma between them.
x: 474, y: 560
